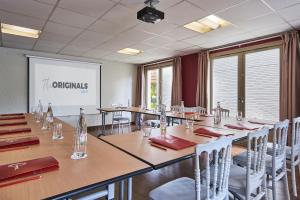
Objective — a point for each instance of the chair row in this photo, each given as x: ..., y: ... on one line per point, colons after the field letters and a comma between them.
x: 244, y: 176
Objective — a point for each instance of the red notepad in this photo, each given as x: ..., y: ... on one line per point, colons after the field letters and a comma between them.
x: 13, y: 123
x: 189, y: 113
x: 12, y: 114
x: 27, y: 168
x: 18, y: 142
x: 239, y: 127
x: 12, y: 117
x: 204, y: 131
x: 172, y: 142
x: 13, y: 131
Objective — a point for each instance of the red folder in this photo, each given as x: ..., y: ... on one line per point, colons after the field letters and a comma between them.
x: 239, y: 127
x: 189, y: 113
x: 13, y: 131
x: 12, y: 114
x: 27, y: 168
x: 261, y: 122
x: 12, y: 117
x: 205, y: 131
x: 18, y: 142
x: 13, y: 123
x: 172, y: 142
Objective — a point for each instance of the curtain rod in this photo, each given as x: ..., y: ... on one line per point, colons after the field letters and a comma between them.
x: 237, y: 44
x: 158, y: 62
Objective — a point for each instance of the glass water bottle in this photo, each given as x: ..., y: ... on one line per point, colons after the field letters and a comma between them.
x: 39, y: 112
x: 163, y: 120
x: 80, y: 138
x: 218, y: 114
x: 49, y: 115
x: 181, y: 109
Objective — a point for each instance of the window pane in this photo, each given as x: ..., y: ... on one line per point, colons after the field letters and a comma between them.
x: 225, y: 83
x: 152, y: 88
x: 262, y: 84
x: 166, y: 86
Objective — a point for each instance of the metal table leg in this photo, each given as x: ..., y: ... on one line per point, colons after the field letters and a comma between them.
x: 121, y: 190
x: 103, y: 122
x: 129, y: 189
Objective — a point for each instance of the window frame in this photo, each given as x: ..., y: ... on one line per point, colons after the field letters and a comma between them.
x: 159, y: 66
x: 241, y: 53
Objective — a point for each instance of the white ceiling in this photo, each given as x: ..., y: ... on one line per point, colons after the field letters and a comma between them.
x: 98, y: 28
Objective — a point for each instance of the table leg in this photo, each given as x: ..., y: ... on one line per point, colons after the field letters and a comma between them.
x: 129, y: 189
x: 168, y: 119
x: 121, y: 190
x: 138, y: 120
x: 103, y: 123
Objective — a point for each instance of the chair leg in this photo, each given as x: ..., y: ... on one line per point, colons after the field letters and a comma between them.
x: 265, y: 188
x: 274, y: 187
x: 112, y: 127
x: 286, y: 184
x: 293, y: 171
x: 119, y: 128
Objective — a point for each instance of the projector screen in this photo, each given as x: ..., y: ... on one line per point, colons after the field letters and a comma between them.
x: 67, y: 85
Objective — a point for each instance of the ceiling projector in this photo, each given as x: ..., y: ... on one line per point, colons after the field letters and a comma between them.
x: 149, y: 14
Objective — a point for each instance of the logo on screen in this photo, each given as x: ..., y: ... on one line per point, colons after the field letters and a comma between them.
x: 47, y: 84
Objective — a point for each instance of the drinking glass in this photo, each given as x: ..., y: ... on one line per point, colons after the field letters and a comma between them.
x: 189, y: 123
x: 57, y: 131
x: 45, y: 123
x: 146, y: 129
x: 239, y: 116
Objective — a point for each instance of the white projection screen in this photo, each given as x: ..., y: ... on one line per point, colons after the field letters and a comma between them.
x: 68, y: 85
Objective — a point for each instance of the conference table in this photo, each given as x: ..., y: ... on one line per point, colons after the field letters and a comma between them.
x: 104, y: 166
x: 139, y: 111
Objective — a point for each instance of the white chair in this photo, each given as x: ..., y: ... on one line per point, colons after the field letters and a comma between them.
x: 224, y: 112
x: 250, y: 182
x: 213, y: 186
x: 118, y: 119
x: 275, y: 164
x: 293, y: 153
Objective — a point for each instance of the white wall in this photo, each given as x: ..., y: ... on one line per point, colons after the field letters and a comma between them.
x: 117, y: 82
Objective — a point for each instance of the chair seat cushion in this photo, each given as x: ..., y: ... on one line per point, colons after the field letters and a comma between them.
x: 120, y: 119
x: 238, y: 181
x: 288, y: 150
x: 241, y: 160
x: 181, y: 188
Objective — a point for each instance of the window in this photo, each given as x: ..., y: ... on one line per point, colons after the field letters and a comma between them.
x: 248, y: 82
x: 159, y: 86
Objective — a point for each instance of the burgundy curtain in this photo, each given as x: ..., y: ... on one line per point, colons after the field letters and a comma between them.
x: 290, y: 77
x: 139, y: 93
x: 176, y: 96
x: 202, y: 79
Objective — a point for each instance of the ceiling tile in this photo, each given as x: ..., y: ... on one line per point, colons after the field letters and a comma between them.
x: 27, y: 7
x: 14, y: 41
x: 158, y: 28
x: 61, y: 29
x: 90, y: 39
x: 164, y: 4
x: 271, y: 30
x: 73, y: 50
x: 180, y: 33
x: 142, y: 47
x: 115, y: 56
x: 122, y: 16
x: 17, y: 45
x: 183, y: 13
x: 269, y: 20
x: 213, y: 6
x: 96, y: 53
x: 51, y: 2
x: 47, y: 46
x: 136, y: 35
x: 279, y: 4
x: 295, y: 23
x: 116, y: 43
x: 104, y: 26
x: 71, y: 18
x: 93, y: 8
x: 245, y: 11
x: 21, y: 20
x: 197, y: 40
x: 158, y: 41
x: 291, y: 13
x: 54, y: 37
x: 178, y: 45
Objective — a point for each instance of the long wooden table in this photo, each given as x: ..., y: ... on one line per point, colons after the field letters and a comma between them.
x: 139, y: 147
x: 104, y: 165
x: 138, y: 111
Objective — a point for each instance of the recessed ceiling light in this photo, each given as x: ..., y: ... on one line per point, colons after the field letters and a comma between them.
x: 130, y: 51
x: 20, y: 31
x: 207, y: 24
